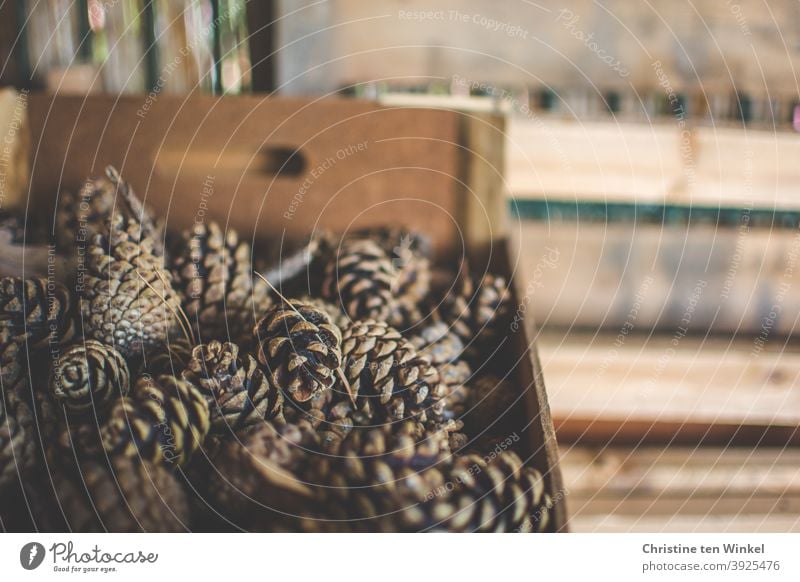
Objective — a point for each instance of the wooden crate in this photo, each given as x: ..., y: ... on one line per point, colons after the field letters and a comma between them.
x: 281, y: 169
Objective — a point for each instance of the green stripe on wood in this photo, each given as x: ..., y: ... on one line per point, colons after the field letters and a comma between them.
x: 667, y: 214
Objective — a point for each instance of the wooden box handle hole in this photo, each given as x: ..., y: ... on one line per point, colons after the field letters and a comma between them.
x: 284, y: 162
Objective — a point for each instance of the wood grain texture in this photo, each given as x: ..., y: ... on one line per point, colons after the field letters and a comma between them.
x: 649, y: 390
x: 682, y: 489
x: 15, y: 141
x: 522, y: 340
x: 393, y: 165
x: 659, y: 163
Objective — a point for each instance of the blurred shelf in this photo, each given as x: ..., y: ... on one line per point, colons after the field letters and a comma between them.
x: 653, y: 390
x: 672, y: 163
x: 682, y: 489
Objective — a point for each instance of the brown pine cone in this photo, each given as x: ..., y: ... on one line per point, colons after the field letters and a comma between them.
x: 12, y: 357
x: 397, y: 241
x: 170, y: 359
x: 338, y: 317
x: 364, y: 480
x: 388, y: 377
x: 121, y: 495
x: 12, y: 228
x: 439, y: 343
x: 17, y: 438
x: 300, y: 349
x: 400, y: 485
x: 83, y: 215
x: 213, y: 273
x: 410, y: 254
x: 164, y: 421
x: 128, y: 300
x: 238, y: 392
x: 445, y: 348
x: 475, y: 310
x: 491, y: 494
x: 89, y: 375
x: 50, y: 417
x: 490, y: 401
x: 255, y: 482
x: 296, y: 268
x: 406, y: 313
x: 36, y: 312
x: 454, y: 377
x: 361, y: 280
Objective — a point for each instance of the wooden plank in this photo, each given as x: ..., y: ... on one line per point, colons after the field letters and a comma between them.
x: 559, y: 158
x: 702, y: 471
x: 682, y: 489
x: 544, y: 447
x: 681, y: 524
x: 593, y: 274
x: 484, y: 197
x: 608, y: 161
x: 15, y: 140
x: 648, y: 389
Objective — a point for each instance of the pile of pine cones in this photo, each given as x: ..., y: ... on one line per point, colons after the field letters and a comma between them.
x: 162, y: 384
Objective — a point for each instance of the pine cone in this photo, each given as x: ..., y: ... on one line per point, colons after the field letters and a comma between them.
x: 12, y: 228
x: 120, y: 495
x: 297, y: 268
x: 406, y: 313
x: 397, y: 241
x: 379, y: 484
x: 454, y: 377
x: 165, y: 420
x: 387, y: 375
x: 170, y: 359
x: 213, y: 273
x: 12, y: 358
x: 128, y: 301
x: 254, y: 483
x: 50, y: 417
x: 364, y: 479
x: 410, y: 254
x: 18, y: 230
x: 490, y: 401
x: 300, y: 349
x: 238, y: 392
x: 474, y: 310
x: 83, y: 215
x: 89, y: 375
x: 337, y: 316
x: 361, y: 280
x: 439, y: 343
x: 35, y: 311
x: 444, y: 348
x: 17, y: 439
x: 491, y: 494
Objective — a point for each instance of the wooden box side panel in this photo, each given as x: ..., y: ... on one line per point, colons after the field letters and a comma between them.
x: 538, y: 423
x: 265, y: 166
